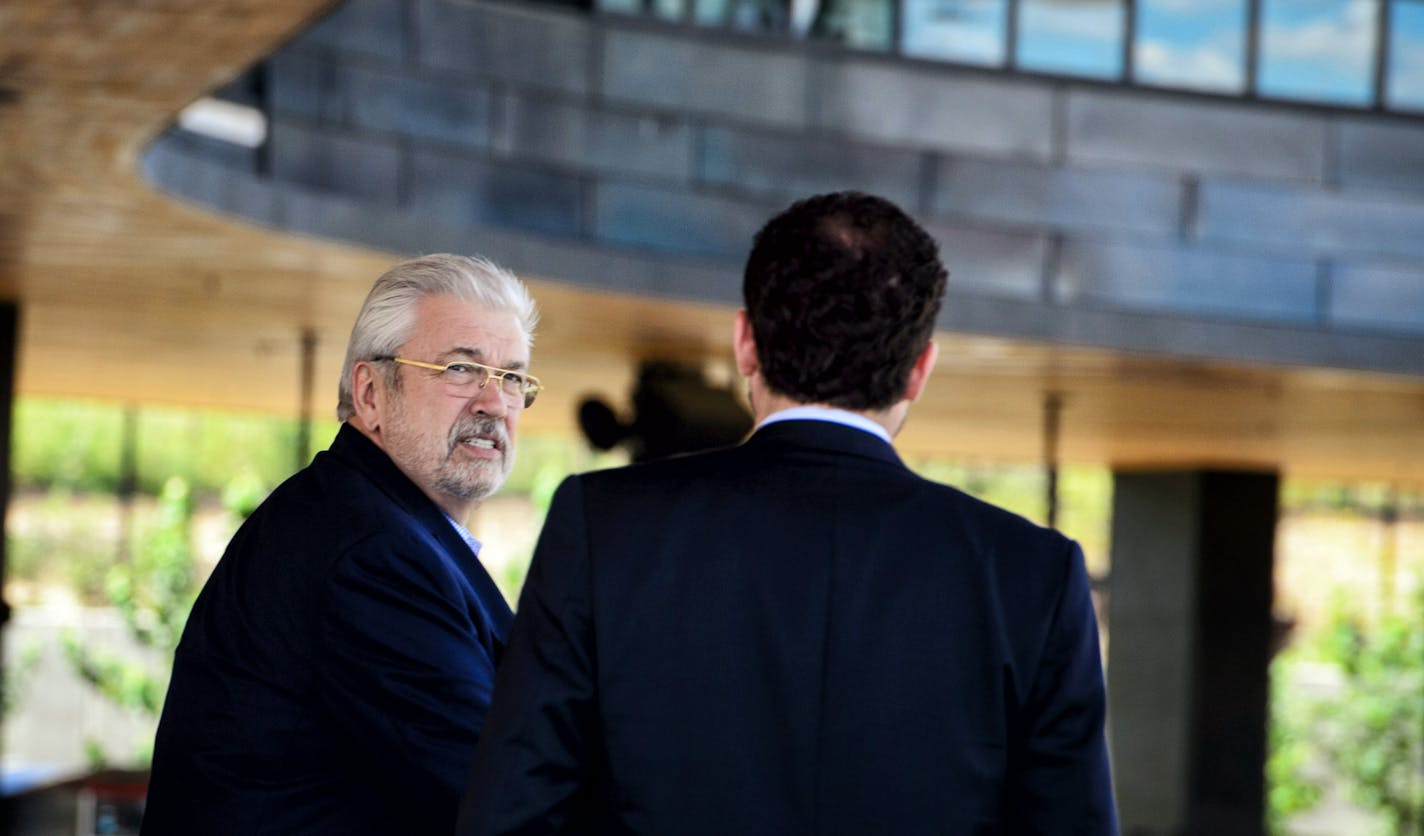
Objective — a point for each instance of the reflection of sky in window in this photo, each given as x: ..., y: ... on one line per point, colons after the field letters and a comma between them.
x: 1406, y: 56
x: 1317, y: 49
x: 1200, y: 44
x: 1309, y: 50
x: 1077, y: 37
x: 972, y: 31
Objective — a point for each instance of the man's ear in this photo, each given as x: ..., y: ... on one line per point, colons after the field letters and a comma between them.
x: 920, y: 372
x: 744, y: 345
x: 368, y: 395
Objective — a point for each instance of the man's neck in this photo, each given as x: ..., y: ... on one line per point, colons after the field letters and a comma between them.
x: 766, y: 403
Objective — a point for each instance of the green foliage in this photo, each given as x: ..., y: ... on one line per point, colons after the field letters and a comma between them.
x: 209, y: 449
x: 510, y: 580
x: 1017, y: 487
x: 125, y: 682
x: 66, y: 444
x: 79, y: 446
x: 1289, y: 787
x: 156, y: 589
x: 1376, y: 729
x: 243, y: 494
x: 153, y: 592
x: 541, y: 458
x: 94, y: 754
x: 1085, y: 511
x: 1084, y: 497
x: 19, y: 670
x: 1371, y: 728
x: 1373, y: 498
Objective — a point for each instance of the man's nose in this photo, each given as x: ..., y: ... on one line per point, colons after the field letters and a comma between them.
x: 489, y: 399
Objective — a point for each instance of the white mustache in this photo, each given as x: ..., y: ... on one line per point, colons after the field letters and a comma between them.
x: 487, y: 427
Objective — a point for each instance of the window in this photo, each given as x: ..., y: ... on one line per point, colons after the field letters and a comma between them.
x: 1074, y: 37
x: 1315, y: 51
x: 970, y: 31
x: 1318, y: 50
x: 1404, y: 88
x: 762, y: 15
x: 1195, y: 44
x: 666, y: 9
x: 865, y: 24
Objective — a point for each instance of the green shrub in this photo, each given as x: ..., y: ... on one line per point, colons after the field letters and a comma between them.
x: 1289, y: 787
x: 79, y: 446
x: 1371, y: 729
x: 1375, y: 730
x: 153, y: 591
x: 66, y: 444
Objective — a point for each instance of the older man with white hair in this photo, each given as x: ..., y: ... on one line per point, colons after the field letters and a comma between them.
x: 336, y: 669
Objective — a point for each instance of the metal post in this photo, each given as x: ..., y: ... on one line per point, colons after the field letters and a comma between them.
x: 1379, y: 100
x: 1052, y: 420
x: 128, y: 478
x: 1253, y: 47
x: 1389, y: 546
x: 1129, y: 38
x: 306, y: 384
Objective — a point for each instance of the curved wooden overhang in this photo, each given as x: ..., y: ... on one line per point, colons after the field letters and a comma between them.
x: 132, y: 296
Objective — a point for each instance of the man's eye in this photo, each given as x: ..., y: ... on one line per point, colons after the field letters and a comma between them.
x: 460, y: 368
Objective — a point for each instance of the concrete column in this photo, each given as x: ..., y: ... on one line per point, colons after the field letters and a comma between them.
x: 1190, y: 625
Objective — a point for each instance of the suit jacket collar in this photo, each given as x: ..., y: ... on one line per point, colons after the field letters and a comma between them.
x: 352, y: 447
x: 828, y: 436
x: 356, y: 450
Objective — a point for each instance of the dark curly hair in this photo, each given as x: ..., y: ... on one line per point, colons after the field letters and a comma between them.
x: 842, y: 291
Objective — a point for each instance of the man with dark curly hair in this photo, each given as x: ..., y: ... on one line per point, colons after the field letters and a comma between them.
x: 798, y: 635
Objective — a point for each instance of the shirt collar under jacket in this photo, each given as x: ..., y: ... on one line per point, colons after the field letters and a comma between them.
x: 834, y: 416
x: 465, y: 535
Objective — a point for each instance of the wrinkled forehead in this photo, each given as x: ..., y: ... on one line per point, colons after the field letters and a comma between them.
x: 448, y: 327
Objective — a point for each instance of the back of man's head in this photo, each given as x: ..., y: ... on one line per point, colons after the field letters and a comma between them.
x: 842, y: 291
x: 388, y: 314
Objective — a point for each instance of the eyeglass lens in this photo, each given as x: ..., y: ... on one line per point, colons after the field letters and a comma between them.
x: 513, y: 384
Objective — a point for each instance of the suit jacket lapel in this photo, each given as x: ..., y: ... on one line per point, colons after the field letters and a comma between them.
x: 360, y: 452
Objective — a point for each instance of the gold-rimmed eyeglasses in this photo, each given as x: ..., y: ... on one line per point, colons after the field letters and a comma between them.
x: 463, y: 377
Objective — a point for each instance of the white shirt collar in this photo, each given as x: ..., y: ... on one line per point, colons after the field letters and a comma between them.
x: 834, y: 416
x: 465, y: 535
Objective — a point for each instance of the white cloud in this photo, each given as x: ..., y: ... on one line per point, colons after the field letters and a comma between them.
x: 954, y: 43
x: 953, y: 32
x: 1192, y: 8
x: 1090, y: 21
x: 1210, y: 66
x: 979, y: 44
x: 1407, y: 74
x: 1343, y: 40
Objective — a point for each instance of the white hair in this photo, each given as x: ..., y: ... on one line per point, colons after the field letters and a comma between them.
x: 388, y: 314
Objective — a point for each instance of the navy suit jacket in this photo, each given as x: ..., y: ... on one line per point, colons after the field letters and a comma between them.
x: 336, y: 668
x: 797, y: 635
